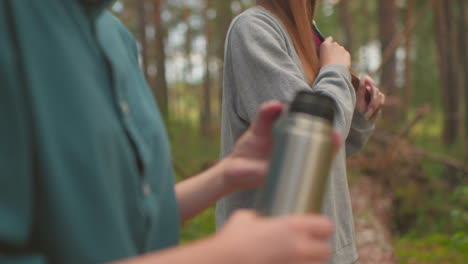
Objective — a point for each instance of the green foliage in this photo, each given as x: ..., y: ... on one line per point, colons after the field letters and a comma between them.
x: 185, y: 104
x: 426, y: 79
x: 200, y: 227
x: 437, y: 203
x: 439, y: 211
x: 327, y: 20
x: 433, y: 249
x: 190, y: 152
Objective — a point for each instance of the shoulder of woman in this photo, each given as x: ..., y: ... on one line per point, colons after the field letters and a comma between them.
x: 258, y: 21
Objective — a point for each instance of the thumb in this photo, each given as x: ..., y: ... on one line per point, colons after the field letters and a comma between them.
x: 266, y: 116
x: 328, y: 40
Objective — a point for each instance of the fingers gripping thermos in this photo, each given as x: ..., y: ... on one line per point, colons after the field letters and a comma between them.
x: 301, y: 159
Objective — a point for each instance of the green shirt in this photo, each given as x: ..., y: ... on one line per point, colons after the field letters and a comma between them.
x: 85, y: 166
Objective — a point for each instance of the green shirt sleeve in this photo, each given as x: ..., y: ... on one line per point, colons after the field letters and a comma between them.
x: 16, y: 153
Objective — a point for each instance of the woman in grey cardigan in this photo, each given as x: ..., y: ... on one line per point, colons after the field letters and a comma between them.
x: 270, y: 55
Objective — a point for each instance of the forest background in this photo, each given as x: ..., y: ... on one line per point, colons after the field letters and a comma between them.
x: 409, y: 186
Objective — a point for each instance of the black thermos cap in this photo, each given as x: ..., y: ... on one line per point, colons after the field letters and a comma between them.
x: 314, y: 104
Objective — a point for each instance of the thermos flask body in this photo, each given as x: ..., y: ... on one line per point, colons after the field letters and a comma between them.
x: 300, y: 166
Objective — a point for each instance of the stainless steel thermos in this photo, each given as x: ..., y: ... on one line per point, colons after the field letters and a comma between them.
x: 301, y: 159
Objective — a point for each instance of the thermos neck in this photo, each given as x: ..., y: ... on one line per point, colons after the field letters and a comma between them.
x: 319, y: 105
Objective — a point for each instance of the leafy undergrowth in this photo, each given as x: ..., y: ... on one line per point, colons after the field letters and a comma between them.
x: 433, y: 249
x: 200, y: 227
x: 430, y: 200
x: 191, y: 152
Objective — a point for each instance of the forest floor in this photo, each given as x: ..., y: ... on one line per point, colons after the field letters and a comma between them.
x: 372, y: 211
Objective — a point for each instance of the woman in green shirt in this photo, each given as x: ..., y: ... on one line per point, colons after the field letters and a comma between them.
x: 85, y: 166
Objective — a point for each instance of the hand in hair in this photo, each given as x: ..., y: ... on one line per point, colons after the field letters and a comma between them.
x: 333, y: 53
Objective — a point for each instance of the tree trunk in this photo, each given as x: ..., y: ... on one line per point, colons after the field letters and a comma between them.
x: 206, y: 94
x: 463, y: 40
x: 365, y: 36
x: 188, y: 41
x: 225, y: 15
x: 441, y: 35
x: 160, y: 89
x: 388, y: 29
x: 142, y: 36
x: 449, y: 90
x: 456, y: 73
x: 443, y: 25
x: 408, y: 61
x: 345, y: 21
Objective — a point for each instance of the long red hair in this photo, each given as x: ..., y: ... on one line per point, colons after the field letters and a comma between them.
x: 297, y: 17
